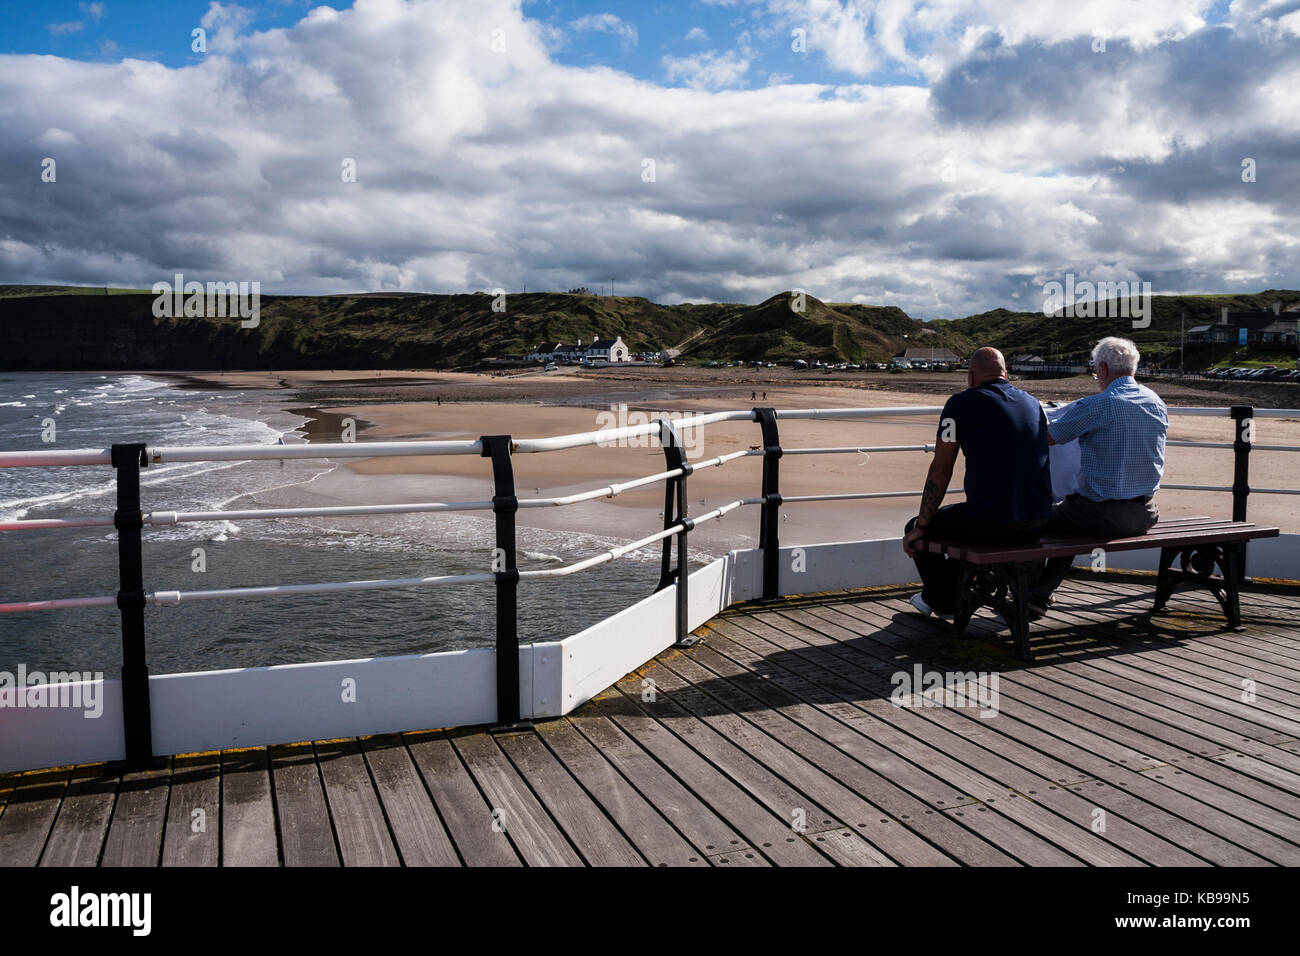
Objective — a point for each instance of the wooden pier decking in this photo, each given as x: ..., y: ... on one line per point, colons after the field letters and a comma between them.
x: 775, y: 742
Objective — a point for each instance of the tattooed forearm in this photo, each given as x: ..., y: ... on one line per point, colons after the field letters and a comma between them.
x: 931, y: 498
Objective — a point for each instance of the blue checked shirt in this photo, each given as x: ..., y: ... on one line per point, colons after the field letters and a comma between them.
x: 1121, y: 433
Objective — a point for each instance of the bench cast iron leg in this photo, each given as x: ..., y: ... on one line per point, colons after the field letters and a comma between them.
x: 1167, y: 578
x: 1231, y: 566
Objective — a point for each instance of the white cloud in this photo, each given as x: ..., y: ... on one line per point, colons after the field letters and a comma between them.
x: 696, y: 33
x: 608, y: 23
x: 478, y: 168
x: 89, y: 11
x: 707, y: 71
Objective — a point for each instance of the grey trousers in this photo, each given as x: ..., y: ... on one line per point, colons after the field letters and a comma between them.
x: 1081, y: 516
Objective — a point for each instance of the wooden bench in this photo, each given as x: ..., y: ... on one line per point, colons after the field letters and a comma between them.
x: 1001, y: 576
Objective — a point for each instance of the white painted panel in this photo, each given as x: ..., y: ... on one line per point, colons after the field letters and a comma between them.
x: 32, y: 738
x: 708, y: 592
x: 547, y: 685
x: 827, y: 567
x: 605, y: 652
x: 263, y: 705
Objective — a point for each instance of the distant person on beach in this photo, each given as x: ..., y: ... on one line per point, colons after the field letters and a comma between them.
x: 1002, y: 431
x: 1121, y: 435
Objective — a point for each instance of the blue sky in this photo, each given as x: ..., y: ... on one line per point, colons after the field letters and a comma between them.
x: 646, y: 33
x: 944, y: 156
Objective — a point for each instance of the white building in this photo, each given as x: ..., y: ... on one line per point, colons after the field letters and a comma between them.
x: 607, y: 350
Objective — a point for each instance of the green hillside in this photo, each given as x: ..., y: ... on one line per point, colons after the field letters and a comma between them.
x: 66, y: 327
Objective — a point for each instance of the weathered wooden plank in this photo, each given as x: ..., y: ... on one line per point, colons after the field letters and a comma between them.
x: 464, y: 810
x: 1206, y: 824
x: 654, y: 838
x: 764, y: 831
x: 306, y: 835
x: 135, y: 834
x: 248, y: 833
x: 739, y: 857
x: 1248, y: 845
x: 848, y: 849
x: 29, y: 814
x: 852, y: 732
x: 812, y: 769
x: 359, y: 824
x: 704, y: 829
x: 193, y: 832
x: 940, y: 730
x: 1071, y: 686
x: 595, y: 836
x: 539, y: 841
x: 1196, y: 662
x: 82, y: 823
x: 421, y: 838
x: 737, y: 757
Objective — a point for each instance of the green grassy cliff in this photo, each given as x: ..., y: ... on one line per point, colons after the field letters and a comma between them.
x: 64, y: 327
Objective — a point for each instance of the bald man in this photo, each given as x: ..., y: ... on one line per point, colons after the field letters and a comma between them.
x: 1002, y: 431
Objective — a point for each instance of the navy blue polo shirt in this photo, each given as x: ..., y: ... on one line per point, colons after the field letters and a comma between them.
x: 1002, y: 432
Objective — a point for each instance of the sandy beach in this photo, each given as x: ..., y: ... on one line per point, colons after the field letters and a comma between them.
x: 580, y: 402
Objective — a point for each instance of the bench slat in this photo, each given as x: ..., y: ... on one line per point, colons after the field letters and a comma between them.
x: 1160, y: 536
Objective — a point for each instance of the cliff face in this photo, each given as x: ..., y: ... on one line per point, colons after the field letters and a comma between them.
x: 87, y: 331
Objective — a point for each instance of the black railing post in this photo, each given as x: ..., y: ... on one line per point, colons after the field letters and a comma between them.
x: 1243, y: 417
x: 1243, y: 423
x: 128, y: 519
x: 504, y: 505
x: 768, y: 537
x: 675, y: 458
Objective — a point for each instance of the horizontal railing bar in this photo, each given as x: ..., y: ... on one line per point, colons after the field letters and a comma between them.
x: 55, y: 459
x: 174, y: 598
x: 58, y: 604
x: 165, y: 518
x: 1228, y: 444
x: 189, y: 453
x: 618, y: 552
x: 36, y: 524
x: 857, y: 496
x: 529, y: 446
x: 848, y: 450
x: 342, y: 449
x: 1253, y: 490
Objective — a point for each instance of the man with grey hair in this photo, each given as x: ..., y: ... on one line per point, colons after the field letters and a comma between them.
x: 1121, y: 435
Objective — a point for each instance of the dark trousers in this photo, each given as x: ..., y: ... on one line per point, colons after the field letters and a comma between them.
x: 959, y: 522
x: 1081, y: 516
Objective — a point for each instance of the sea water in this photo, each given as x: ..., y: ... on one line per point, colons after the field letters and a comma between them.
x: 95, y: 411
